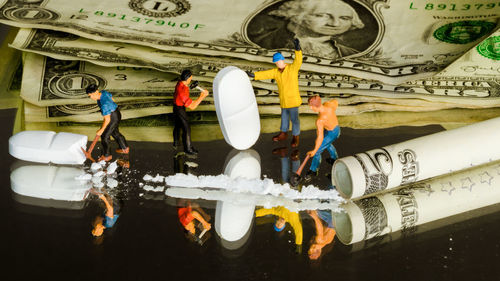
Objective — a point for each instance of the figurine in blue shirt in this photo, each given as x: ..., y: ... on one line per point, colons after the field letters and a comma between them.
x: 112, y: 117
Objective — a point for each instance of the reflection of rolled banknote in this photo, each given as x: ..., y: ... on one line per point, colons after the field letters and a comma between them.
x: 417, y: 159
x: 406, y: 208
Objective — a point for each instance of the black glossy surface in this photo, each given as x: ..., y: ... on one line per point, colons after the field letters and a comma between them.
x: 148, y: 243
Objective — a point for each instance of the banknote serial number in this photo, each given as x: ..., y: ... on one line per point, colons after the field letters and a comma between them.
x: 453, y: 7
x: 83, y: 15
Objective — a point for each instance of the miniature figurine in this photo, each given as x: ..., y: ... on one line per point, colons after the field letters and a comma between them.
x: 287, y: 78
x: 324, y: 233
x: 181, y: 101
x: 187, y: 215
x: 282, y: 152
x: 328, y: 130
x: 112, y: 117
x: 110, y: 216
x: 283, y: 216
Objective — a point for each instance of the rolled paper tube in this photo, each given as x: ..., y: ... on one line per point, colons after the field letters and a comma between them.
x: 418, y: 159
x: 406, y: 208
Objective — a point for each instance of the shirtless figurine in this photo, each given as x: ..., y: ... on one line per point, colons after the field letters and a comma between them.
x: 325, y: 232
x: 328, y: 130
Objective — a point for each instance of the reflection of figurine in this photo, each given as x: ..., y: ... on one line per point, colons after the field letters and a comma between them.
x: 181, y: 101
x: 287, y: 78
x: 187, y: 216
x: 285, y: 162
x: 110, y: 216
x: 318, y: 24
x: 324, y: 233
x: 112, y: 116
x: 328, y: 130
x: 284, y: 215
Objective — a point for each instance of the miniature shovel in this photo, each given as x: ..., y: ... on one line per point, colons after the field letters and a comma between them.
x: 295, y: 178
x: 88, y: 153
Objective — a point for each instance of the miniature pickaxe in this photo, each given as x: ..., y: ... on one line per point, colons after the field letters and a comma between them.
x: 88, y: 153
x: 295, y: 178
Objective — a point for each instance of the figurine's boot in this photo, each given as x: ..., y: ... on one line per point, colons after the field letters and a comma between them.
x: 281, y: 136
x: 310, y: 175
x: 330, y: 160
x: 281, y: 151
x: 123, y: 151
x: 105, y: 158
x: 295, y: 141
x: 189, y: 149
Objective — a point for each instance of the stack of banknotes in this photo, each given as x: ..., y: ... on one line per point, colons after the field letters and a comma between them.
x: 388, y: 63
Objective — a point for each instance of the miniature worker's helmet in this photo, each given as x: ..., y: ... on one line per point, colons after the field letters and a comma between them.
x: 277, y: 57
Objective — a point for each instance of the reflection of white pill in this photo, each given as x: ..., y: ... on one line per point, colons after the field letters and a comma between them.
x: 48, y: 146
x: 233, y: 221
x: 236, y: 107
x: 49, y: 182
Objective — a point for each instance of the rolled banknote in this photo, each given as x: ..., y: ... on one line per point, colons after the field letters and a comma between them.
x: 419, y: 203
x: 373, y: 40
x: 417, y: 159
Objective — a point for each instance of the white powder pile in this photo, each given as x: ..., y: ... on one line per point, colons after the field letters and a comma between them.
x: 264, y: 186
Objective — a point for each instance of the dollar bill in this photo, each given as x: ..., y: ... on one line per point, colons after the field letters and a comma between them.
x: 481, y: 61
x: 48, y: 81
x: 62, y: 83
x: 10, y: 71
x: 369, y: 39
x: 92, y: 113
x: 205, y: 125
x: 135, y: 109
x: 458, y: 88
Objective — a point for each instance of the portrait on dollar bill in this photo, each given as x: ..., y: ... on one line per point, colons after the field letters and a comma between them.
x: 327, y: 29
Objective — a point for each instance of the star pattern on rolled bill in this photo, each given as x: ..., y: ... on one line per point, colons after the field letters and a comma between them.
x: 497, y: 168
x: 425, y: 189
x: 447, y: 187
x: 486, y: 177
x: 467, y: 183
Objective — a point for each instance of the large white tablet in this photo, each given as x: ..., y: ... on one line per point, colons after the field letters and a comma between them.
x: 236, y: 107
x: 49, y: 182
x: 48, y: 147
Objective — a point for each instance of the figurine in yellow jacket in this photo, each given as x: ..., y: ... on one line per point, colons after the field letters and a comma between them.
x: 285, y: 216
x: 287, y: 78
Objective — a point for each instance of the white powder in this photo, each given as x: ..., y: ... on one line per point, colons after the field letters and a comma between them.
x: 95, y: 167
x: 254, y: 186
x: 266, y: 201
x: 111, y: 182
x: 111, y: 168
x: 191, y: 164
x: 84, y: 177
x: 99, y: 174
x: 153, y: 188
x: 157, y: 178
